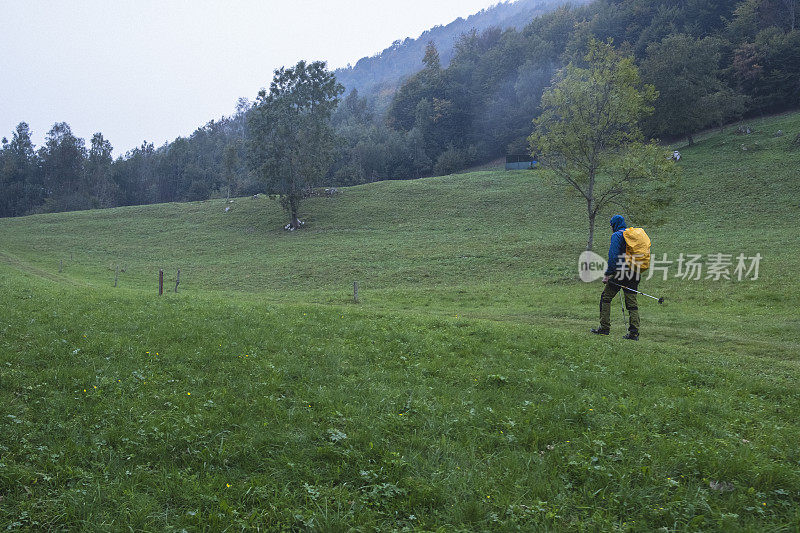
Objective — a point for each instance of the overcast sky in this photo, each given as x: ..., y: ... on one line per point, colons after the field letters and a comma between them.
x: 157, y: 69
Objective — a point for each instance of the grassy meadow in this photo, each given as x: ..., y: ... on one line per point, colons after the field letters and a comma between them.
x: 462, y: 393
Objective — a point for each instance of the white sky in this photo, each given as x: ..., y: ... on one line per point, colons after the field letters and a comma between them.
x: 158, y: 69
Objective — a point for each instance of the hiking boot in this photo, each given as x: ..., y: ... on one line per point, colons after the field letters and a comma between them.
x: 600, y: 331
x: 632, y: 336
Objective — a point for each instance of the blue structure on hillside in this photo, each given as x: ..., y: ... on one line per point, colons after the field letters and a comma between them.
x: 520, y: 162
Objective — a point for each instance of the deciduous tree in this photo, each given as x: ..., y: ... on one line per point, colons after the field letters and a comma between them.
x: 692, y: 94
x: 589, y: 136
x: 291, y: 140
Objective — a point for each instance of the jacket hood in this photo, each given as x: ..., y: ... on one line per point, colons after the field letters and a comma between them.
x: 618, y: 223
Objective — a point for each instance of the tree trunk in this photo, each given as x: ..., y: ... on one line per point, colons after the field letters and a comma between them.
x: 591, y: 210
x: 294, y: 208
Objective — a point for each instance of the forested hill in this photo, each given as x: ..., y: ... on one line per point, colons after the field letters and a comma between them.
x: 403, y: 58
x: 712, y: 63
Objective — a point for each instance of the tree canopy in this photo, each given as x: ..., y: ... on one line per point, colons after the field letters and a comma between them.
x: 291, y: 139
x: 588, y: 135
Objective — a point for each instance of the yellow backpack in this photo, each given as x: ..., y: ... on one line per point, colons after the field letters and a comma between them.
x: 637, y: 249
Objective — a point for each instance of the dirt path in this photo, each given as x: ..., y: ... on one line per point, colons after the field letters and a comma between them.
x: 21, y: 265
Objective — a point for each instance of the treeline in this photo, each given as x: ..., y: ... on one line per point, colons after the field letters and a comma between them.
x: 66, y: 175
x: 712, y: 62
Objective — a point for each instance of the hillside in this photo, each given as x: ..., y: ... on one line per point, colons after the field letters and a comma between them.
x: 385, y: 70
x: 712, y: 63
x: 463, y: 392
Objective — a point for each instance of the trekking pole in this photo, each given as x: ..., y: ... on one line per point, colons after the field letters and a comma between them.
x: 622, y: 308
x: 660, y: 300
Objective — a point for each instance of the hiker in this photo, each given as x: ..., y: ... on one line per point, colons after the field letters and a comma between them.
x: 625, y: 265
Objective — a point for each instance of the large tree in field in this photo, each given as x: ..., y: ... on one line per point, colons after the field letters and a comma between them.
x: 588, y: 135
x: 291, y: 140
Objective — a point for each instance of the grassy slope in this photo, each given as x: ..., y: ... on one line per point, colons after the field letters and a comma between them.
x: 467, y: 388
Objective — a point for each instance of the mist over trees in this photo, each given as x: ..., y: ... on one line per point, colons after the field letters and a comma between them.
x: 712, y: 63
x: 383, y: 72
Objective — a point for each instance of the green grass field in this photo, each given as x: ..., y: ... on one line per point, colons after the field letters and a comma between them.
x: 462, y: 393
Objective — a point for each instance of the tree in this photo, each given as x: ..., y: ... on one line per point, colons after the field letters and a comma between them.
x: 752, y: 16
x: 20, y: 179
x: 692, y: 96
x: 230, y: 161
x: 768, y: 69
x: 291, y: 141
x: 98, y: 171
x: 589, y: 136
x: 134, y: 175
x: 63, y: 170
x: 403, y: 114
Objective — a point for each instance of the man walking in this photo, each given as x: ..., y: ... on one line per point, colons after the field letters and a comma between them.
x: 619, y: 275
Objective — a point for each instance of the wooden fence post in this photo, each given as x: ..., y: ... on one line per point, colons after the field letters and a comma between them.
x: 116, y: 275
x: 160, y: 282
x: 355, y: 291
x: 178, y: 280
